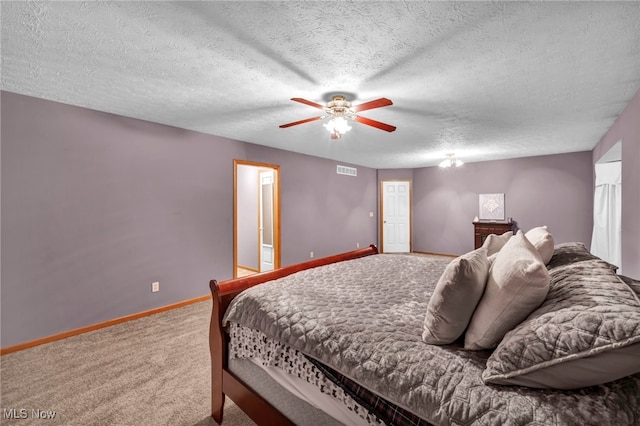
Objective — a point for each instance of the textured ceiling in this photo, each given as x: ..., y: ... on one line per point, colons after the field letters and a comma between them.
x: 486, y: 80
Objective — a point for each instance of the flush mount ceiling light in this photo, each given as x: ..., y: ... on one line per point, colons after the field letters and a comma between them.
x: 339, y: 111
x: 451, y: 161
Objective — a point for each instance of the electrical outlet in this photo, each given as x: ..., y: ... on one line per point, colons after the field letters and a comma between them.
x: 311, y: 255
x: 155, y: 286
x: 357, y: 245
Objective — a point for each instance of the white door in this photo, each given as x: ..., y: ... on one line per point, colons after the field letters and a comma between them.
x: 266, y: 221
x: 396, y: 216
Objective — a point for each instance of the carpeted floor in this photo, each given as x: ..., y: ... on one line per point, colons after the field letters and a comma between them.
x: 152, y: 371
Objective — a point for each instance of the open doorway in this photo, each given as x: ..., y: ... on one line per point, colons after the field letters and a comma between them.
x: 606, y: 240
x: 256, y: 235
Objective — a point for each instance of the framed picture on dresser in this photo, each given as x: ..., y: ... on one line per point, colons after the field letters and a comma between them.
x: 491, y: 206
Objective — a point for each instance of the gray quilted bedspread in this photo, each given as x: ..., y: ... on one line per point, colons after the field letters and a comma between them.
x: 364, y: 318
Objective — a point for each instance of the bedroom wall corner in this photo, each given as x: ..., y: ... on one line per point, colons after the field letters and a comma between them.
x: 626, y: 128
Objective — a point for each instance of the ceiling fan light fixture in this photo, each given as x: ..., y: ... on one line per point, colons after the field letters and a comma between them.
x: 450, y: 161
x: 339, y: 111
x: 337, y: 126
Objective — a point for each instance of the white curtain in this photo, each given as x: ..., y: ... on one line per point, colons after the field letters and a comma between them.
x: 606, y: 241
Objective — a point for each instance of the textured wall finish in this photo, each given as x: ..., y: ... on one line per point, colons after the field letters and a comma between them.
x: 488, y: 80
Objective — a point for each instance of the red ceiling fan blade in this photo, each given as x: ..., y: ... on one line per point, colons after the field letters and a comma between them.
x: 295, y: 123
x: 310, y: 103
x: 382, y: 102
x: 376, y: 124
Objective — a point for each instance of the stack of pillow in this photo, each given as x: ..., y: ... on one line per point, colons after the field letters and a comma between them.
x: 490, y: 290
x: 498, y: 296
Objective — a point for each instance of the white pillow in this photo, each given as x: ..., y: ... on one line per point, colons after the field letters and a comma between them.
x: 493, y: 243
x: 455, y: 297
x: 542, y: 240
x: 517, y: 284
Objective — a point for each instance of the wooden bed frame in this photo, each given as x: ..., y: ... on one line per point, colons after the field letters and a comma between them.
x: 223, y: 382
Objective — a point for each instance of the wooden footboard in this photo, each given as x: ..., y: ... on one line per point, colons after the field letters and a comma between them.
x: 224, y: 382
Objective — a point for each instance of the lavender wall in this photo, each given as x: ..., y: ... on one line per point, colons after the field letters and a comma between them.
x: 321, y: 211
x: 627, y: 129
x: 395, y: 174
x: 95, y: 207
x: 553, y: 190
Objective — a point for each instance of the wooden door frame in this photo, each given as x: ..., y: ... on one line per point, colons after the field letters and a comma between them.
x: 276, y: 212
x: 381, y: 224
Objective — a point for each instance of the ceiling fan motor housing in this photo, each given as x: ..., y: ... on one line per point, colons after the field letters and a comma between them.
x: 339, y: 106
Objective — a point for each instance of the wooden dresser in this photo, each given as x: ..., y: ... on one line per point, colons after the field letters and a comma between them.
x: 482, y: 229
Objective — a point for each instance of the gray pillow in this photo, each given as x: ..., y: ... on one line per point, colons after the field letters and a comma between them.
x: 572, y: 252
x: 455, y: 297
x: 587, y: 332
x: 542, y: 240
x: 517, y: 284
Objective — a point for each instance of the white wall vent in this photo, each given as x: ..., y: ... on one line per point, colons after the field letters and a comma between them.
x: 349, y: 171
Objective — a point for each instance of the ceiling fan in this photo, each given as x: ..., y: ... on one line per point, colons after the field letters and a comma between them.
x: 339, y: 109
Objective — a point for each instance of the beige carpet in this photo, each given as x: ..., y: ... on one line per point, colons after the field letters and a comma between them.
x: 152, y: 371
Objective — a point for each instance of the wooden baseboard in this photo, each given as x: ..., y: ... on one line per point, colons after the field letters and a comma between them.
x: 81, y: 330
x: 436, y: 254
